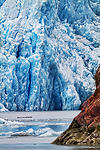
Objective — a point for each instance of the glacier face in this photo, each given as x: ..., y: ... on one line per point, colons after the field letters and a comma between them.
x: 50, y: 52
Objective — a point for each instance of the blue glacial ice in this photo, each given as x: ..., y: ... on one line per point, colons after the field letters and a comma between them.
x: 50, y: 50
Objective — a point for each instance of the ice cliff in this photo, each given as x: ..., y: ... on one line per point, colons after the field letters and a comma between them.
x: 50, y: 50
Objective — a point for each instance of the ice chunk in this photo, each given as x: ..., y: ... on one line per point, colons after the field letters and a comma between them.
x: 2, y: 108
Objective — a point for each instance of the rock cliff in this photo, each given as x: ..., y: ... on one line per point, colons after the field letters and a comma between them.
x: 85, y: 128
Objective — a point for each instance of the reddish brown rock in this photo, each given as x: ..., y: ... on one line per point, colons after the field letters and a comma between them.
x: 97, y: 77
x: 85, y: 128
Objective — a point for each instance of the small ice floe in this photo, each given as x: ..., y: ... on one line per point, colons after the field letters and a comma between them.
x: 51, y: 133
x: 24, y: 133
x: 11, y: 123
x: 47, y: 132
x: 2, y: 121
x: 6, y: 133
x: 14, y: 123
x: 2, y: 108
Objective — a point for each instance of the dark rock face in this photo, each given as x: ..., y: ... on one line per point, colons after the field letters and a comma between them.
x: 85, y: 128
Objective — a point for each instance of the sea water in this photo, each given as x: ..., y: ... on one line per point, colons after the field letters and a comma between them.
x: 35, y: 130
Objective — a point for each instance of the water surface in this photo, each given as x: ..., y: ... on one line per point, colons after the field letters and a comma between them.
x: 35, y: 130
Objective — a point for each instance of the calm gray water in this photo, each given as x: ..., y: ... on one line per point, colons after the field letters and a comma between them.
x: 35, y: 130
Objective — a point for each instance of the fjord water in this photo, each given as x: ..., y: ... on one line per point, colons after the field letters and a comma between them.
x: 34, y: 130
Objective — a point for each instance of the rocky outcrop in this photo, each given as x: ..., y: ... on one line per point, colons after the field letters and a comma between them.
x: 85, y: 128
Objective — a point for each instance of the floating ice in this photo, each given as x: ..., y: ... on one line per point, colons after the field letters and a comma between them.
x: 24, y: 133
x: 11, y: 123
x: 47, y: 132
x: 2, y: 121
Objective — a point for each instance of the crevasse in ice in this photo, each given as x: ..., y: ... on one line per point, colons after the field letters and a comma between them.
x: 50, y: 50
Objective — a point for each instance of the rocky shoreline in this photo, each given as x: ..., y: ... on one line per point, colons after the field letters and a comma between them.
x: 85, y: 128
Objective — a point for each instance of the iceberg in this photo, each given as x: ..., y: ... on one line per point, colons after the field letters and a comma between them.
x: 50, y: 50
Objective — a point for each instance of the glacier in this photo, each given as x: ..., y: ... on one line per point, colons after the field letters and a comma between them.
x: 49, y: 53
